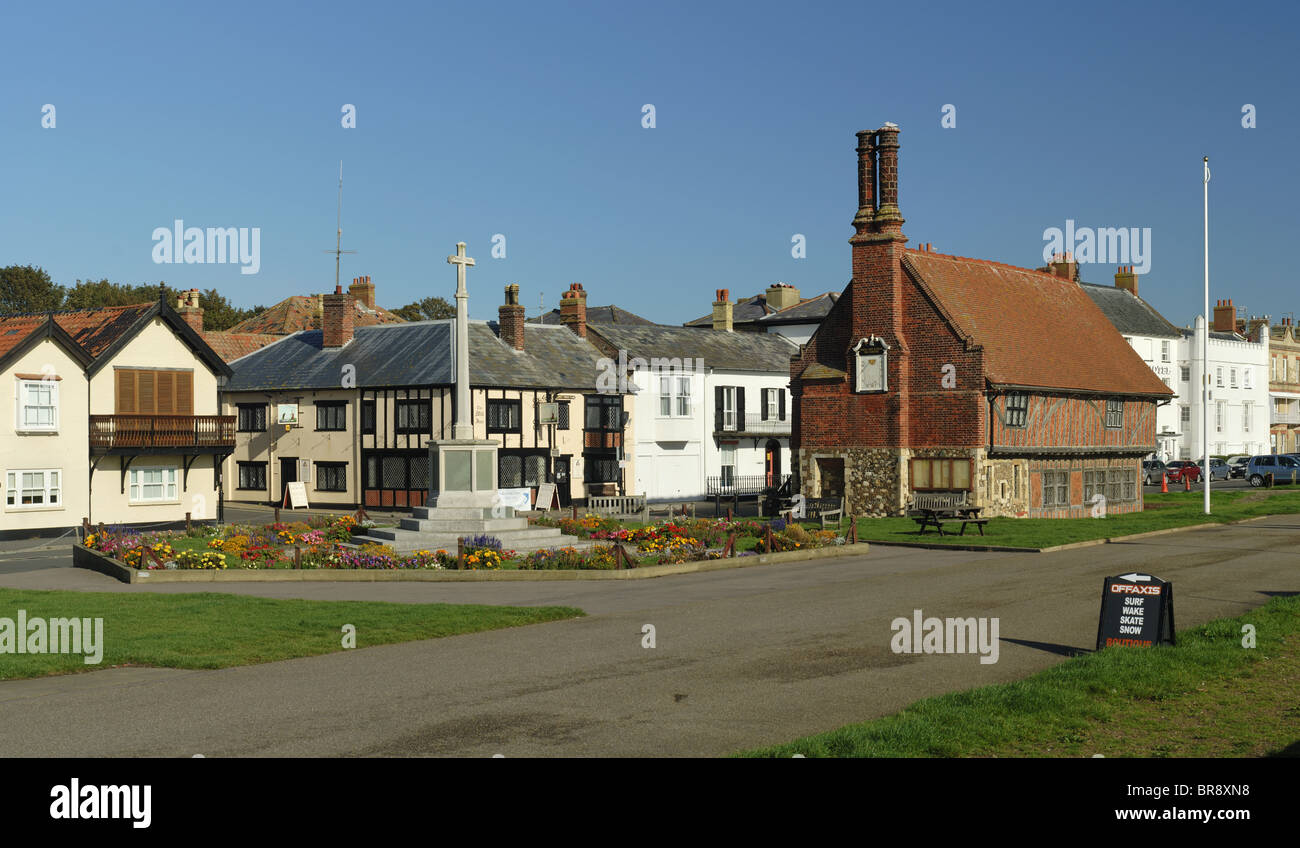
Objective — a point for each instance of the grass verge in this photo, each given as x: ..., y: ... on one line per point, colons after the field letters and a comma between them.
x: 1163, y: 512
x: 211, y: 630
x: 1209, y: 696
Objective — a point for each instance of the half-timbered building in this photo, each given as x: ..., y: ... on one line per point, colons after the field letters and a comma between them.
x: 938, y: 373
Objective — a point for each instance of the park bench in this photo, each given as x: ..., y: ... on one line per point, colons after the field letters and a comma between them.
x: 935, y: 509
x: 616, y: 505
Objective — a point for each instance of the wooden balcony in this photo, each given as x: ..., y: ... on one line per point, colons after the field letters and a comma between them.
x: 133, y: 434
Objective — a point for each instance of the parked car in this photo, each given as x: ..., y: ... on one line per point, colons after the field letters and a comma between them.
x: 1237, y: 466
x: 1183, y: 469
x: 1151, y: 471
x: 1280, y: 466
x: 1218, y: 469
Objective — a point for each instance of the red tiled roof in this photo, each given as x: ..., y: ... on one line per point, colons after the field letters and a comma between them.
x: 231, y: 346
x: 1036, y: 329
x: 95, y: 330
x: 301, y: 312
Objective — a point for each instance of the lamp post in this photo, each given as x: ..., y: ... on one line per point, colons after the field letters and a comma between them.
x: 1205, y: 340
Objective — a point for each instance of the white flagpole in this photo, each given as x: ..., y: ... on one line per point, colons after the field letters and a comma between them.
x: 1205, y: 344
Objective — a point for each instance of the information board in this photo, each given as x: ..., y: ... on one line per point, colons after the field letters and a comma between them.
x: 521, y: 499
x: 1137, y: 610
x: 298, y: 495
x: 546, y: 496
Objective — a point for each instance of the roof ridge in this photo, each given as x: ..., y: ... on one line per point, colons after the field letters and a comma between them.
x: 915, y: 251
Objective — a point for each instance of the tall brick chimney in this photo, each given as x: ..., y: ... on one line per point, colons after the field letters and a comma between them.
x: 363, y: 290
x: 1126, y: 279
x: 337, y: 313
x: 877, y: 304
x: 782, y: 295
x: 573, y: 310
x: 1225, y: 317
x: 723, y: 310
x: 511, y: 318
x: 1064, y: 266
x: 187, y: 304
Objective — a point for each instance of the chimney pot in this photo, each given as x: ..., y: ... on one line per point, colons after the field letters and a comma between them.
x: 573, y: 309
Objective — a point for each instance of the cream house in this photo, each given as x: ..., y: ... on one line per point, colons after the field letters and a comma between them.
x: 112, y: 417
x: 350, y: 412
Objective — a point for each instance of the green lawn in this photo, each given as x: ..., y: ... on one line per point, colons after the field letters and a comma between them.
x: 210, y: 630
x: 1209, y: 696
x: 1162, y: 512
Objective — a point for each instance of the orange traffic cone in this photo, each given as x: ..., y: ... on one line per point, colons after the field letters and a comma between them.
x: 1164, y: 483
x: 1187, y: 483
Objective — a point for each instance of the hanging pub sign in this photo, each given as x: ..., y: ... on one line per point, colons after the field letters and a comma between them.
x: 871, y: 365
x: 1136, y: 609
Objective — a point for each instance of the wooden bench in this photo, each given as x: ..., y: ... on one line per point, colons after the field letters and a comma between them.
x: 616, y: 505
x: 940, y: 508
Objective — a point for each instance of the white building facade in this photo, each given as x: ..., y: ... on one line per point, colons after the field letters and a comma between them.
x: 1239, y: 420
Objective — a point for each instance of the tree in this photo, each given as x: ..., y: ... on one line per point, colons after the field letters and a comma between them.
x: 428, y: 309
x: 218, y: 313
x: 27, y: 289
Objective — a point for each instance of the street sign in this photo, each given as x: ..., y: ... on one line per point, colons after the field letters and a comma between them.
x: 1136, y: 609
x: 546, y: 496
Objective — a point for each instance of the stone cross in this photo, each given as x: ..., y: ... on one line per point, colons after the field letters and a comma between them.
x: 463, y: 428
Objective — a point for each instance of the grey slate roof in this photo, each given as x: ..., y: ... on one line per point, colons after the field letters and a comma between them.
x: 756, y: 310
x: 420, y: 354
x: 598, y: 314
x: 1130, y: 314
x: 731, y: 351
x: 749, y: 309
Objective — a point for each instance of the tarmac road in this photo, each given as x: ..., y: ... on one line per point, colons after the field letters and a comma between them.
x: 743, y: 658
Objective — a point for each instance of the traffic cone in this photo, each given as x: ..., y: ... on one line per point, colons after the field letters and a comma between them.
x: 1187, y: 483
x: 1164, y: 483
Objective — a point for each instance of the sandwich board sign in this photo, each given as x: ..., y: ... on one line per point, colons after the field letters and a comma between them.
x: 546, y: 496
x: 1136, y: 609
x: 297, y: 495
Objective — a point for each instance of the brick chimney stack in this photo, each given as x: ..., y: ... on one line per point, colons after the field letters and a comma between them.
x: 1064, y: 266
x: 1225, y: 317
x: 723, y: 310
x: 1126, y: 279
x: 573, y: 310
x: 511, y: 318
x: 782, y: 295
x: 337, y: 314
x: 187, y: 304
x: 877, y: 304
x: 363, y: 290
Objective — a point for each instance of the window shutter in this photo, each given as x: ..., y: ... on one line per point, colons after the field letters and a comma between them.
x: 780, y: 400
x: 165, y: 389
x: 184, y: 393
x: 145, y: 399
x: 740, y: 407
x: 717, y: 408
x: 762, y: 405
x: 126, y: 395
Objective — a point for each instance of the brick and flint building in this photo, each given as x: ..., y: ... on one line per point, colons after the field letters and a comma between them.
x: 937, y: 373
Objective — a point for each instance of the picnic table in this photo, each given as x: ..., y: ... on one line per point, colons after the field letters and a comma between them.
x: 937, y: 510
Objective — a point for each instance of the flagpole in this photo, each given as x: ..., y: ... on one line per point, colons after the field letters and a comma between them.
x: 1205, y: 340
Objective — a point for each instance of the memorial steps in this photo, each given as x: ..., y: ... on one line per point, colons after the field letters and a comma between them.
x: 435, y: 528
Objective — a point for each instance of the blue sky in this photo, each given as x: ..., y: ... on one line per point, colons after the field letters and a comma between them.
x: 525, y: 120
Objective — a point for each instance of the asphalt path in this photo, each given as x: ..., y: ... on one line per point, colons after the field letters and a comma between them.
x: 742, y: 658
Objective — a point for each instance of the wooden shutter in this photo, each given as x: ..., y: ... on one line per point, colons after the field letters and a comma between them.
x: 165, y: 392
x: 146, y: 393
x: 780, y: 404
x: 184, y: 393
x: 126, y: 396
x: 762, y: 406
x: 717, y: 408
x: 740, y: 407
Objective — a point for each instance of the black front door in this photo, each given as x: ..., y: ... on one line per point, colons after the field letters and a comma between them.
x: 562, y: 480
x: 288, y: 474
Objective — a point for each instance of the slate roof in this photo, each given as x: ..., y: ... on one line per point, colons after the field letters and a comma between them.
x: 598, y: 314
x: 1130, y: 314
x: 302, y: 312
x: 755, y: 310
x: 420, y: 354
x: 718, y: 349
x: 1037, y: 330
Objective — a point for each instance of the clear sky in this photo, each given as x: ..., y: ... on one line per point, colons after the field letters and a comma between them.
x: 525, y: 119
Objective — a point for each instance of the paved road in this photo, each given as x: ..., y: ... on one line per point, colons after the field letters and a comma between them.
x: 743, y: 658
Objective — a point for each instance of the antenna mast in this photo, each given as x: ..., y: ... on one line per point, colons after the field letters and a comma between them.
x: 338, y: 250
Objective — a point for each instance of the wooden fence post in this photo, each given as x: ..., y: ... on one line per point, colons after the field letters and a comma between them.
x: 277, y: 515
x: 852, y: 536
x: 460, y: 552
x: 297, y: 557
x: 187, y: 523
x: 729, y: 550
x: 767, y: 537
